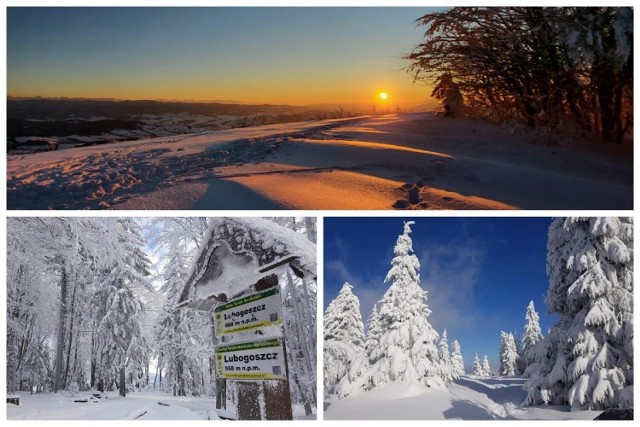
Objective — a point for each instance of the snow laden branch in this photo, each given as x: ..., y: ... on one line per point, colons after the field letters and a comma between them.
x: 556, y: 67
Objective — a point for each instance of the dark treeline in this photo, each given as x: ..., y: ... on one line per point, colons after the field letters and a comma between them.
x: 561, y: 68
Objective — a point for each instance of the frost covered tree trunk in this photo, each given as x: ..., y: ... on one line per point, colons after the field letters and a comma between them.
x: 587, y: 359
x: 122, y: 387
x: 301, y: 344
x: 58, y: 385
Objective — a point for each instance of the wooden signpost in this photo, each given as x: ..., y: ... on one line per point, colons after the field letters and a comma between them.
x: 251, y: 324
x: 255, y: 364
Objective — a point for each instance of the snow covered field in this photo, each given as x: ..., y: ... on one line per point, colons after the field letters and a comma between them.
x: 415, y: 162
x: 469, y: 398
x: 143, y: 406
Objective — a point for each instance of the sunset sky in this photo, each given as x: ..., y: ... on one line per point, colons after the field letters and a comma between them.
x: 274, y: 55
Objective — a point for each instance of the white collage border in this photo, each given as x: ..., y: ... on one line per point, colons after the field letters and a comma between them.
x: 4, y: 213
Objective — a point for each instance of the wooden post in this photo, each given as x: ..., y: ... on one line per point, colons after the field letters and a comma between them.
x: 248, y: 401
x: 277, y: 400
x: 221, y: 383
x: 277, y: 397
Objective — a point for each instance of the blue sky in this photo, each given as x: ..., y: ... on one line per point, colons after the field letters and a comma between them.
x: 274, y: 55
x: 480, y: 273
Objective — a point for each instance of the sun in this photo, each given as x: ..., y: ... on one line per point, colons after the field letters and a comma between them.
x: 383, y: 95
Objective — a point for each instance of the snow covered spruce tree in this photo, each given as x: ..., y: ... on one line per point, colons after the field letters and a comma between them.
x: 486, y: 368
x: 532, y: 334
x: 121, y: 344
x: 587, y: 359
x: 508, y: 355
x: 477, y: 367
x: 373, y: 335
x: 446, y: 367
x: 457, y: 363
x: 343, y: 341
x: 408, y: 350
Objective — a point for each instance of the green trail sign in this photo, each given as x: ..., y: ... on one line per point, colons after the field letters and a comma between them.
x: 249, y: 312
x: 263, y: 360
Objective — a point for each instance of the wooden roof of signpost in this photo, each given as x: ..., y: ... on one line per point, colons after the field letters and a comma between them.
x: 270, y: 246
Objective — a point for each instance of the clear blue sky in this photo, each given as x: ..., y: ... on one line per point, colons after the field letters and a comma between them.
x: 480, y: 273
x: 274, y: 55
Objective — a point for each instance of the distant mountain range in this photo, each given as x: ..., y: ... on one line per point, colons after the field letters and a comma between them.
x: 64, y: 108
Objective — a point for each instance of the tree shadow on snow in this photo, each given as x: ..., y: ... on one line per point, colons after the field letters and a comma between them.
x: 509, y: 393
x: 467, y: 410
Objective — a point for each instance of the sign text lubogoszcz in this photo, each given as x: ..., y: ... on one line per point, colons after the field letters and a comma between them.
x: 249, y: 312
x: 263, y: 360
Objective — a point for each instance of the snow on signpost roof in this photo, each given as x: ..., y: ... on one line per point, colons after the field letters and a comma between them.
x: 240, y: 251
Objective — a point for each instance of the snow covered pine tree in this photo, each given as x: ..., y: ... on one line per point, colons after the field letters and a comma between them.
x: 477, y: 367
x: 508, y: 354
x: 532, y: 334
x: 486, y: 368
x: 457, y: 362
x: 587, y: 359
x: 408, y: 350
x: 446, y: 368
x: 343, y: 340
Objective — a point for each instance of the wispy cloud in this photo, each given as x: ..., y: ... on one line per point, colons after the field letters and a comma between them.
x: 450, y: 272
x: 369, y: 289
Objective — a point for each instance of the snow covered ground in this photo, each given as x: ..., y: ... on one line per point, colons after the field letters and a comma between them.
x: 470, y: 398
x: 414, y: 162
x: 143, y: 406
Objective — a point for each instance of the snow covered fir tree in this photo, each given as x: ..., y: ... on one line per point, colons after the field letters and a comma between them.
x: 344, y: 345
x: 408, y: 343
x: 93, y: 315
x: 587, y: 359
x: 582, y: 367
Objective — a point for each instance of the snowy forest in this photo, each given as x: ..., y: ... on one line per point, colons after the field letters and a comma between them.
x: 92, y: 313
x: 580, y: 368
x: 560, y: 68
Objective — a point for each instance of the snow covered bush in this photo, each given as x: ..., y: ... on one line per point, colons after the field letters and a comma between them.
x: 587, y: 359
x: 343, y: 340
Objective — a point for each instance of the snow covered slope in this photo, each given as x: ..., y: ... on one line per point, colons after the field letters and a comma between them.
x: 470, y: 398
x: 415, y: 162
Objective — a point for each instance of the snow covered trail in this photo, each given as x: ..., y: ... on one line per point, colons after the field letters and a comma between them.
x: 143, y: 406
x: 470, y: 398
x: 414, y: 162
